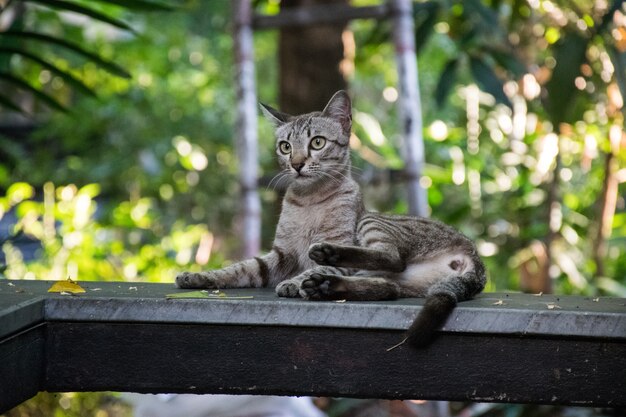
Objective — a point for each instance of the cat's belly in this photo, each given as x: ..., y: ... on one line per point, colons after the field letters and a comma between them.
x: 429, y: 271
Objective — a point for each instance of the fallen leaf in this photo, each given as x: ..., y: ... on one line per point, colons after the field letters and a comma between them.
x: 499, y: 303
x: 340, y: 301
x: 553, y: 306
x: 539, y: 294
x: 67, y: 286
x: 132, y: 288
x: 188, y: 294
x: 595, y: 300
x: 205, y: 295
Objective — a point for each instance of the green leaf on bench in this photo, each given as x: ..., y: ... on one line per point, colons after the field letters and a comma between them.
x: 218, y: 295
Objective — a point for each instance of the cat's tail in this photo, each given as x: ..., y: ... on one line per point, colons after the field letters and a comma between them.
x: 441, y: 300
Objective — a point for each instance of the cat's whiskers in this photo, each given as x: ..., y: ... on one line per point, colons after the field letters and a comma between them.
x: 341, y: 174
x: 284, y: 177
x: 275, y: 177
x: 357, y: 174
x: 326, y: 174
x: 278, y: 177
x: 342, y: 165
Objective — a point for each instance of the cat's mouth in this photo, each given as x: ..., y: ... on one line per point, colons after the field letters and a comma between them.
x: 304, y: 178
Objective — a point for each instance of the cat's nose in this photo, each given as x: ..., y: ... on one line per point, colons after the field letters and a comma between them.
x: 297, y: 166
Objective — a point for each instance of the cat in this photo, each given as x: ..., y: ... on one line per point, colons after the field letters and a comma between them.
x: 328, y: 247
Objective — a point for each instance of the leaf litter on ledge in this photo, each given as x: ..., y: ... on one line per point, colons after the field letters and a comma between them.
x: 65, y: 287
x: 203, y: 294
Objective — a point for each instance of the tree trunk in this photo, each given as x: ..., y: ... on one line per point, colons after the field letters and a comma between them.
x: 309, y: 59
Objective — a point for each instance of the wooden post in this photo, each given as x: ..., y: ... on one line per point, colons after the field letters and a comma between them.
x: 409, y: 104
x: 247, y: 149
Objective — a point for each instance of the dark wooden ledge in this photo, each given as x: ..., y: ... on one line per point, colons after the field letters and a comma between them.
x: 124, y: 336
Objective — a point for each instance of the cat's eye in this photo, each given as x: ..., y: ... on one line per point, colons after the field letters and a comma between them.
x: 284, y: 147
x: 317, y: 143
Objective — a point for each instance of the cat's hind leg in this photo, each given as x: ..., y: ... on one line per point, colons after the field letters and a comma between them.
x: 378, y: 258
x: 355, y: 288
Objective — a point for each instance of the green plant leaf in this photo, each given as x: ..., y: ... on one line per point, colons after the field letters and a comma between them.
x: 5, y: 102
x: 379, y: 34
x: 47, y: 39
x: 66, y: 76
x: 143, y: 5
x: 612, y: 286
x: 18, y: 82
x: 206, y: 295
x: 489, y: 16
x: 487, y: 80
x: 425, y: 15
x: 77, y: 8
x: 447, y: 79
x: 569, y: 54
x: 507, y: 60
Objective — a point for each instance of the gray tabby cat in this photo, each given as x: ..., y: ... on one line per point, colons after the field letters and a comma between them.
x: 328, y: 247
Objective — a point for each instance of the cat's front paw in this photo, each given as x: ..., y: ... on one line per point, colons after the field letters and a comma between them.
x: 288, y: 288
x: 196, y: 280
x: 320, y: 287
x: 324, y: 254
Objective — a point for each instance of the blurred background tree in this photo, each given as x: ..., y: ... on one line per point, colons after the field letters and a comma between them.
x: 117, y: 156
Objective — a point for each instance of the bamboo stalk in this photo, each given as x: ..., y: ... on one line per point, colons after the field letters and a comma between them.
x: 247, y: 146
x: 409, y: 104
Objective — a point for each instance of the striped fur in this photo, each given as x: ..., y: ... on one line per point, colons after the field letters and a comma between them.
x: 327, y: 246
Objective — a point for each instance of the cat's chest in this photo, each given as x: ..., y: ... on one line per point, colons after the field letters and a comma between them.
x: 300, y: 227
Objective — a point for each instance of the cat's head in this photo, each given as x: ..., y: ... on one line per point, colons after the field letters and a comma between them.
x: 314, y: 147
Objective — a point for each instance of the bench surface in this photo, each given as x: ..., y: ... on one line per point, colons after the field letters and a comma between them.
x: 123, y: 336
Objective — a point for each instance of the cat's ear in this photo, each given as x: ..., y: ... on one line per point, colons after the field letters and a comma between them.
x: 274, y: 116
x: 339, y: 108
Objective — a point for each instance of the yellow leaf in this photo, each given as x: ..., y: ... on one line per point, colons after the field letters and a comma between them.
x: 67, y: 286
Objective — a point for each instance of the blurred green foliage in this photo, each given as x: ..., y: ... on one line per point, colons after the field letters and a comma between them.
x: 523, y: 112
x: 503, y: 119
